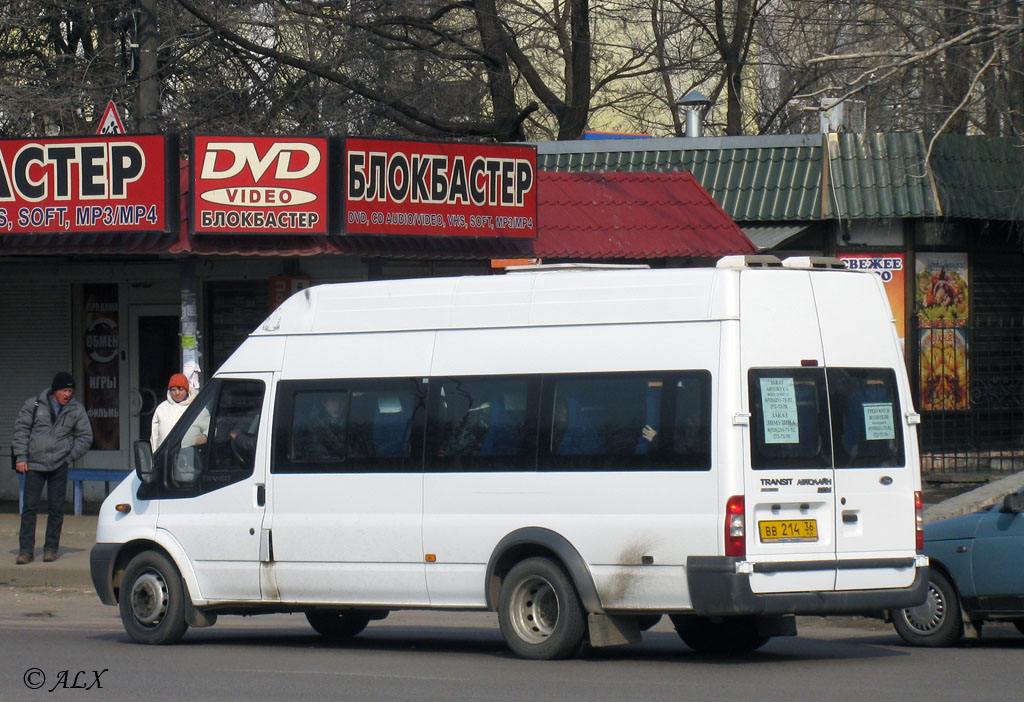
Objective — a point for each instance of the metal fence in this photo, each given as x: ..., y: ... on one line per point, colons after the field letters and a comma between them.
x: 969, y: 381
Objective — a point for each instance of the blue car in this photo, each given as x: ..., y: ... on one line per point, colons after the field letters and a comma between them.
x: 976, y: 575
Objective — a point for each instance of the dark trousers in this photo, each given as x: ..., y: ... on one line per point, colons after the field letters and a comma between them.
x: 56, y: 483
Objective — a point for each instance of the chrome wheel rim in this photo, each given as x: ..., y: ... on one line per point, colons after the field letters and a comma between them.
x: 149, y: 599
x: 929, y: 615
x: 534, y: 611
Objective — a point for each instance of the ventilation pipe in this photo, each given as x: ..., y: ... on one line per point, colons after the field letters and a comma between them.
x: 696, y: 105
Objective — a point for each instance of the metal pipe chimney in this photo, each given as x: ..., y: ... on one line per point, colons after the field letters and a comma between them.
x: 696, y: 105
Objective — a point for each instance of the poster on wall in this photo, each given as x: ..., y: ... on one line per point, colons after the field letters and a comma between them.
x: 944, y: 372
x: 942, y: 290
x: 891, y: 268
x: 101, y: 366
x: 942, y: 309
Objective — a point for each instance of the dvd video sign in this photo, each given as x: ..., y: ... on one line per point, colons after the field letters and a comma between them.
x: 88, y: 184
x: 259, y: 185
x: 434, y: 189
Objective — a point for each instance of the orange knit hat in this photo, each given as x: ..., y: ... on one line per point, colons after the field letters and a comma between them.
x: 178, y: 380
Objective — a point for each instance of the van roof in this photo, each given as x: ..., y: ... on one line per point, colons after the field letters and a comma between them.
x: 566, y: 296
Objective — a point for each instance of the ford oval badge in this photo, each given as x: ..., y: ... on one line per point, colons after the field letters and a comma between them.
x: 885, y: 480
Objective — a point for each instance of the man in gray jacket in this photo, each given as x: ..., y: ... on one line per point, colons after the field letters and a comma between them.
x: 50, y: 433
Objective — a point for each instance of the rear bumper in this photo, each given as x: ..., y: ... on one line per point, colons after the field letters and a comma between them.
x: 101, y: 568
x: 717, y: 589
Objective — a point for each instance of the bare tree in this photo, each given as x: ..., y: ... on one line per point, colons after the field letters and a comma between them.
x: 934, y: 65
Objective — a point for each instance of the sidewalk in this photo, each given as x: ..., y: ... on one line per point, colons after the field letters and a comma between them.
x: 71, y: 569
x: 944, y: 497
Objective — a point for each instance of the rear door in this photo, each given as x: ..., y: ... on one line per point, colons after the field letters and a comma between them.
x: 875, y: 447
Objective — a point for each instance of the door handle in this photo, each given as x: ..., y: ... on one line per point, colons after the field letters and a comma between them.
x: 261, y: 495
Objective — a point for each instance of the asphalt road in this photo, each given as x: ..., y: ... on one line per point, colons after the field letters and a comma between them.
x: 64, y: 642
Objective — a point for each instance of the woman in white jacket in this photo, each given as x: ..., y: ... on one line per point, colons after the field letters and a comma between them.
x: 179, y: 397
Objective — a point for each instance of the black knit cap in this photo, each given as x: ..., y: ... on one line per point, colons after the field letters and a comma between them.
x: 62, y: 380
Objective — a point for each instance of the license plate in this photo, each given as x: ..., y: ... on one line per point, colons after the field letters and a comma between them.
x: 785, y: 530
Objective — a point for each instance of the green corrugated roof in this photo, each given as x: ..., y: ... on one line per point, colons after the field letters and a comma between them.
x: 780, y: 178
x: 874, y: 176
x: 775, y: 178
x: 980, y: 177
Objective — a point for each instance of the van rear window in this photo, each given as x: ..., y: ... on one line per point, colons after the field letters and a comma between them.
x: 814, y: 418
x: 865, y: 417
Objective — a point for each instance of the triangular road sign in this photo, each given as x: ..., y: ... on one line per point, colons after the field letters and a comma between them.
x: 111, y: 122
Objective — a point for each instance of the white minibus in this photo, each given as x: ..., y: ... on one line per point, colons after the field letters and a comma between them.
x: 581, y: 450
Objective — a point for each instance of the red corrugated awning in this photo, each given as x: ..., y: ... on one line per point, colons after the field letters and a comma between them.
x: 611, y: 215
x: 589, y: 216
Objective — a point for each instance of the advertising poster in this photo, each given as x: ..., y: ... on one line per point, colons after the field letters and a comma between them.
x: 430, y: 189
x: 942, y: 291
x: 88, y: 184
x: 102, y: 344
x: 891, y: 268
x: 942, y: 309
x: 259, y: 185
x: 945, y: 376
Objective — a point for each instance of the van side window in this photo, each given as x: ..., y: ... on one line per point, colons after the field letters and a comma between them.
x: 482, y: 423
x: 866, y: 417
x: 200, y: 454
x: 620, y: 421
x: 790, y: 418
x: 352, y: 426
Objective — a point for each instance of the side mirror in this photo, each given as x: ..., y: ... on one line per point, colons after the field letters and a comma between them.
x: 1013, y: 503
x: 144, y: 462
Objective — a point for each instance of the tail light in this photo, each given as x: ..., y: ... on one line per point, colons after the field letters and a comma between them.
x: 918, y: 521
x: 735, y: 527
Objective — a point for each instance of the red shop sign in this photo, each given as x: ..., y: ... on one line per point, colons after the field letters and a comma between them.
x: 439, y: 189
x: 259, y: 185
x: 88, y: 184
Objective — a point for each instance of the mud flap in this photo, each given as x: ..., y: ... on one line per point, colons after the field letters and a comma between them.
x: 612, y: 630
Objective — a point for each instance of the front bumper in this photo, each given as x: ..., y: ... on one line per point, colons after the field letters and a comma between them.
x: 717, y: 589
x: 101, y: 568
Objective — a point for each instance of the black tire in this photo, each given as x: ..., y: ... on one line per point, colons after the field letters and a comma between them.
x: 338, y: 626
x: 935, y: 622
x: 719, y: 635
x: 539, y: 611
x: 152, y: 600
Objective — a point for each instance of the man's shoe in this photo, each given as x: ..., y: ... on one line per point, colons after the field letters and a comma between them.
x: 49, y: 556
x: 24, y: 557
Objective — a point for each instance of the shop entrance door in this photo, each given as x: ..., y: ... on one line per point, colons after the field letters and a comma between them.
x: 155, y: 356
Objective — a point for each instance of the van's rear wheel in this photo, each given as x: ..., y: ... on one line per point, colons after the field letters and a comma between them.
x: 936, y: 621
x: 719, y: 634
x: 152, y: 600
x: 339, y: 626
x: 539, y: 611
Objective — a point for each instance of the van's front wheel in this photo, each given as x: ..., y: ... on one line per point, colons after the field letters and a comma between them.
x: 719, y: 635
x: 152, y: 600
x: 539, y: 611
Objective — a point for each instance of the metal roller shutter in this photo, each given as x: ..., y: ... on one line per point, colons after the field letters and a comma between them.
x: 35, y: 343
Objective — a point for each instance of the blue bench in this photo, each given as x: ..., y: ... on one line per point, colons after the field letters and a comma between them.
x: 77, y: 476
